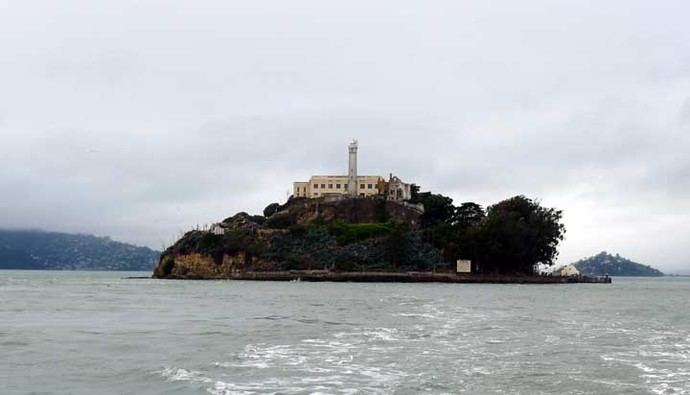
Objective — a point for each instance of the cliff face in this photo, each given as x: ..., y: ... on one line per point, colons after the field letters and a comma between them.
x: 201, y: 266
x: 304, y: 234
x: 354, y: 211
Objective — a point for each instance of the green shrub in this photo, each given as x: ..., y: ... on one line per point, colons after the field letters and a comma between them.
x: 209, y: 242
x: 345, y: 266
x: 238, y: 239
x: 280, y: 221
x: 167, y: 265
x: 259, y: 219
x: 353, y: 233
x: 305, y: 247
x: 271, y: 209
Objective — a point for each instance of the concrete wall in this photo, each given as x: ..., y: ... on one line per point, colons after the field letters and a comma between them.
x: 319, y: 186
x: 398, y: 190
x: 300, y: 189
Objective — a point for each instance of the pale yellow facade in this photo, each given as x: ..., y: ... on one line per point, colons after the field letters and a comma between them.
x: 352, y: 184
x: 319, y: 186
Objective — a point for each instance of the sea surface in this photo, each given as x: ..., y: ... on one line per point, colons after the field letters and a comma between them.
x: 99, y: 333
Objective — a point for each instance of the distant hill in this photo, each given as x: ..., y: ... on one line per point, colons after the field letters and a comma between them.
x: 605, y: 263
x: 35, y: 249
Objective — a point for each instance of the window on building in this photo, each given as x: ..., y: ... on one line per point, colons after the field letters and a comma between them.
x: 323, y: 186
x: 337, y: 186
x: 316, y: 186
x: 330, y: 186
x: 370, y: 186
x: 345, y: 186
x: 361, y: 186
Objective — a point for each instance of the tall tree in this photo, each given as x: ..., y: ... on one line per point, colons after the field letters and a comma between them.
x: 517, y: 235
x: 469, y: 214
x: 437, y: 208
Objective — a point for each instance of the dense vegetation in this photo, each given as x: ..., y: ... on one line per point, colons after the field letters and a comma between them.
x: 32, y: 249
x: 510, y: 237
x: 605, y: 263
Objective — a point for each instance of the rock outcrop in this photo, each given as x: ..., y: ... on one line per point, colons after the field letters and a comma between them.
x: 201, y: 266
x: 352, y: 211
x: 336, y: 234
x: 303, y: 234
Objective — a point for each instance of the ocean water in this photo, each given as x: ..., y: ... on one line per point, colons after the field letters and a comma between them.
x: 98, y: 333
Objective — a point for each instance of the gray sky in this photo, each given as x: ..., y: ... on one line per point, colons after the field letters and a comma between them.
x: 140, y: 119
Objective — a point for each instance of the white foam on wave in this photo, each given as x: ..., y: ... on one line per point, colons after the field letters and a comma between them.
x: 477, y: 370
x: 223, y: 388
x: 180, y: 374
x: 381, y: 334
x: 263, y: 356
x: 663, y: 365
x: 416, y: 315
x: 347, y: 363
x: 271, y: 386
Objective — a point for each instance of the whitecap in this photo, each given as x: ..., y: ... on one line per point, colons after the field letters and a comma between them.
x: 180, y: 374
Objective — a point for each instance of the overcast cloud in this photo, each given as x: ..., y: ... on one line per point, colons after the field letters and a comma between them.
x: 140, y: 119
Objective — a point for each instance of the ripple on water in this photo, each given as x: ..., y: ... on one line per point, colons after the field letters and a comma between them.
x: 362, y: 338
x: 345, y: 363
x: 179, y: 374
x: 662, y: 362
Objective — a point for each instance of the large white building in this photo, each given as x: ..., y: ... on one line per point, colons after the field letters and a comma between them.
x: 353, y: 184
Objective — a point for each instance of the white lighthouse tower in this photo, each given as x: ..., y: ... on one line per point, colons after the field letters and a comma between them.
x: 352, y: 170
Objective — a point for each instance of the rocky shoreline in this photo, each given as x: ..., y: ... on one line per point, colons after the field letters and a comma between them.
x: 399, y: 277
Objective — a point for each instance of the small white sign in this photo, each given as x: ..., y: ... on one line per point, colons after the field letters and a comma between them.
x: 464, y: 266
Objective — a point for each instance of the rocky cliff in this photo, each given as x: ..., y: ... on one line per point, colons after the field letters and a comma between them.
x: 201, y: 266
x: 334, y: 235
x: 304, y: 234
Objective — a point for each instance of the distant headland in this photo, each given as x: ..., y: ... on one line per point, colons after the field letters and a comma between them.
x: 367, y: 228
x: 41, y: 250
x: 614, y: 265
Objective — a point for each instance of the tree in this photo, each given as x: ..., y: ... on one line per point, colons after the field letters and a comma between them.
x: 518, y: 234
x: 469, y: 214
x: 461, y: 237
x: 398, y: 244
x: 414, y: 191
x: 271, y: 209
x: 437, y: 208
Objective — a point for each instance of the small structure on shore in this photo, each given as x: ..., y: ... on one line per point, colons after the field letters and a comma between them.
x: 463, y: 266
x: 568, y: 271
x: 216, y: 229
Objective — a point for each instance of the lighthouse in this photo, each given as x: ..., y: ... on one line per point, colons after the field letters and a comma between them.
x: 352, y: 169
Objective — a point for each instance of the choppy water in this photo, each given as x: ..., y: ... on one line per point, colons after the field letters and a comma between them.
x: 96, y: 333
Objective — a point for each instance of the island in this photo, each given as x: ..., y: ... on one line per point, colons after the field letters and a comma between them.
x: 369, y: 228
x: 614, y: 265
x: 42, y: 250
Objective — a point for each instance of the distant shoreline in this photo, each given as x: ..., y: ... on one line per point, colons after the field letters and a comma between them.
x: 404, y: 277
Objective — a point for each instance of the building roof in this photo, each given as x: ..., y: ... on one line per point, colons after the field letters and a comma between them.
x: 332, y: 176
